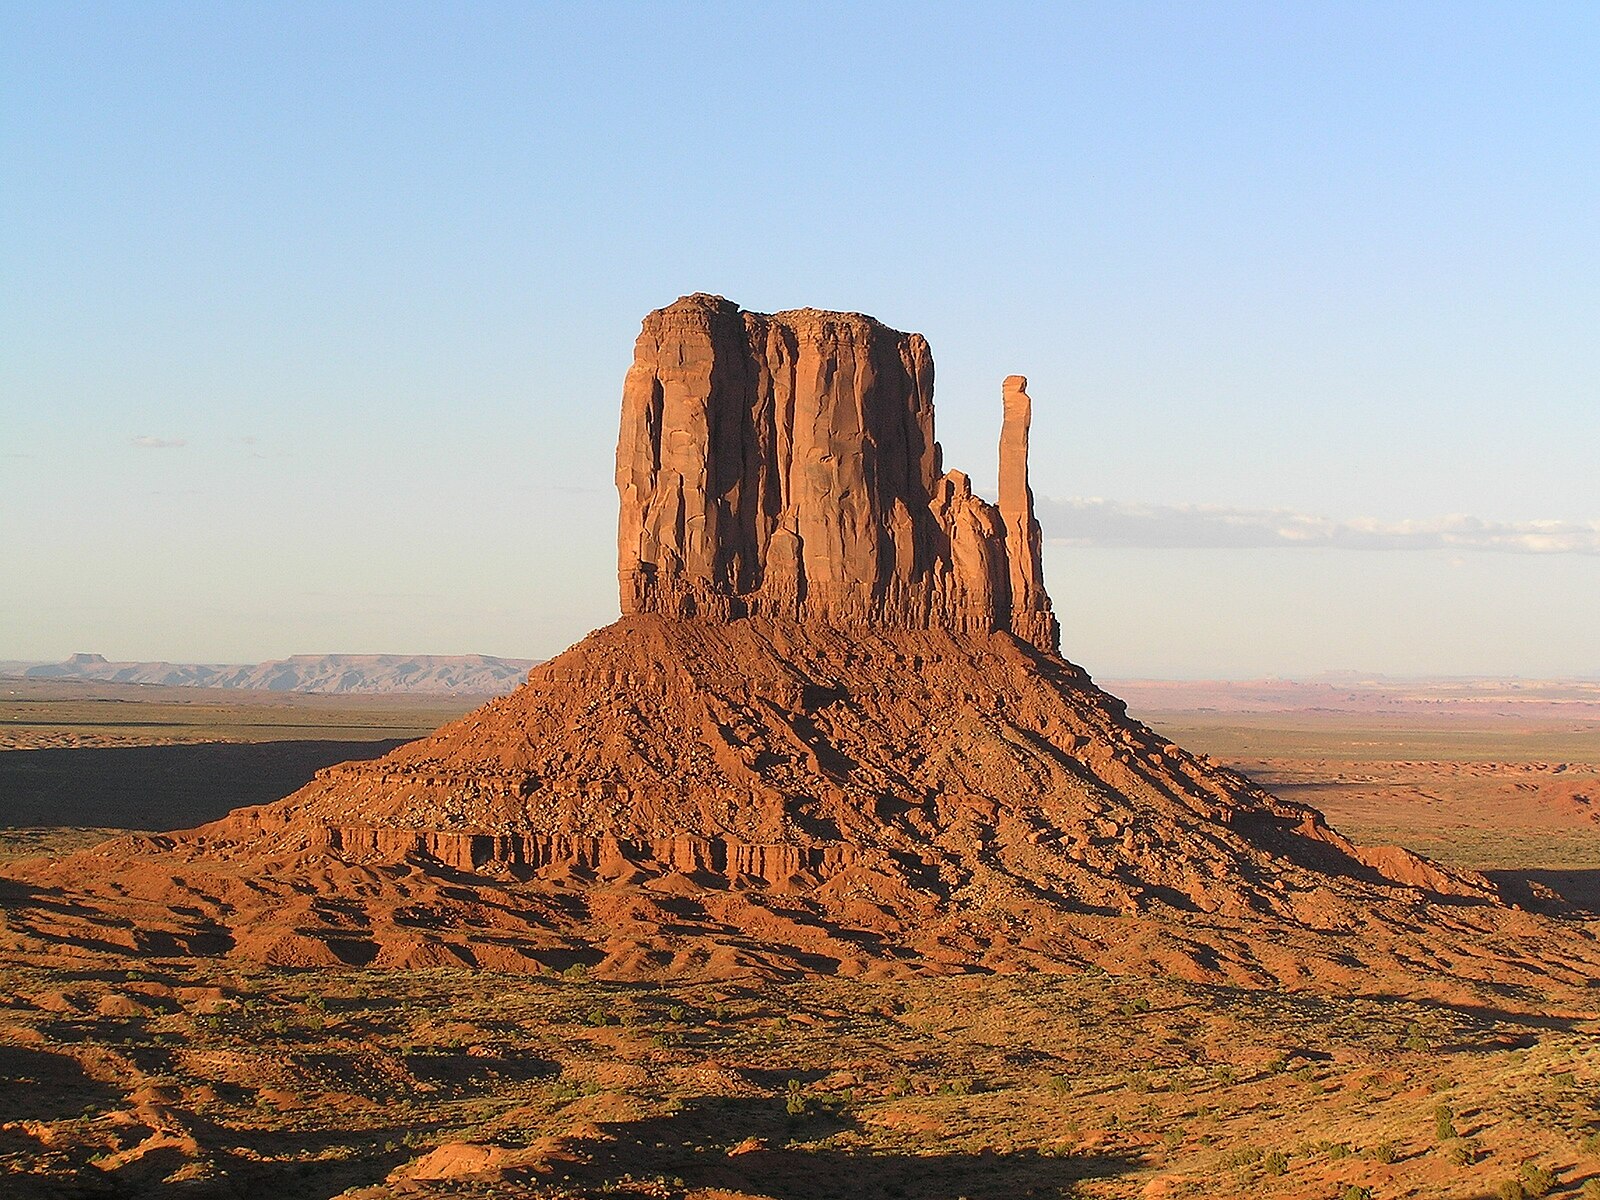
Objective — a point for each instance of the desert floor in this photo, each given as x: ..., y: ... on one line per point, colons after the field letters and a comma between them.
x: 199, y: 1078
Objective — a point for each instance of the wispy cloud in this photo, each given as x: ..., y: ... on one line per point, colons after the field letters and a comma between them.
x: 1096, y: 522
x: 146, y: 442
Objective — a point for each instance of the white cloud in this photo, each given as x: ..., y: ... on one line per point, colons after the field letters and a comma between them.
x: 1096, y: 522
x: 146, y: 442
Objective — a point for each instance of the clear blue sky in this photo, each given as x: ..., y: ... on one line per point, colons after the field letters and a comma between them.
x: 1325, y: 273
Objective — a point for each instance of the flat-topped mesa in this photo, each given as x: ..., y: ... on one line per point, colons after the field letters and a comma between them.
x: 786, y: 465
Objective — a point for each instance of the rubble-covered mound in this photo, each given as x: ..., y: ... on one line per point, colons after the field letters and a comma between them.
x: 832, y: 732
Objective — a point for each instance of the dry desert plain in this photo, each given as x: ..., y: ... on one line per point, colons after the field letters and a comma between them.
x: 129, y: 1076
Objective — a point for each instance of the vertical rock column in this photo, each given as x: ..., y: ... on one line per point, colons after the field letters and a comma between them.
x: 1031, y: 618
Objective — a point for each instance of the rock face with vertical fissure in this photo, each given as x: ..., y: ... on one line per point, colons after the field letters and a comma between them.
x: 785, y: 465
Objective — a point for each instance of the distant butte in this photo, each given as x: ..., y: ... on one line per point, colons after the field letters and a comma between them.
x: 832, y: 731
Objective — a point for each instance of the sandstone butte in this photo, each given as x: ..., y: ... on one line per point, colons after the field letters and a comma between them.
x: 832, y: 732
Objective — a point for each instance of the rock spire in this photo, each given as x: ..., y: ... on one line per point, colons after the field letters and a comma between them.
x: 785, y: 465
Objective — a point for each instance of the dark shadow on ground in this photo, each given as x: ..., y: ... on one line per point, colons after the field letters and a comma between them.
x: 1578, y: 889
x: 783, y: 1156
x: 160, y: 787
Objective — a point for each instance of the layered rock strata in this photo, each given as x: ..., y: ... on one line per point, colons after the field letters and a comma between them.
x: 785, y: 465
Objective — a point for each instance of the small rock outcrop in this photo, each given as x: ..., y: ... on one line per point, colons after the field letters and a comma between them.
x: 785, y: 465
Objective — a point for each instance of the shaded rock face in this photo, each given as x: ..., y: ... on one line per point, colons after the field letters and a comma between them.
x: 785, y: 465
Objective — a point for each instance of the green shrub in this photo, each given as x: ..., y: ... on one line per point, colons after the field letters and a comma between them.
x: 1465, y: 1152
x: 1385, y: 1152
x: 1510, y: 1189
x: 1356, y: 1192
x: 1536, y: 1180
x: 1444, y: 1122
x: 1275, y: 1163
x: 795, y: 1102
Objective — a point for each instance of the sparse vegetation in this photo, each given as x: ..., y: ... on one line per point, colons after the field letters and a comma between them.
x: 1536, y: 1180
x: 1031, y: 1082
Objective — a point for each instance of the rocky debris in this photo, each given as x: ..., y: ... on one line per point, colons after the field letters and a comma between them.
x: 785, y: 465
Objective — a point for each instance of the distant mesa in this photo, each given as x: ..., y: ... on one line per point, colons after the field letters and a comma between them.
x: 832, y: 731
x: 341, y: 674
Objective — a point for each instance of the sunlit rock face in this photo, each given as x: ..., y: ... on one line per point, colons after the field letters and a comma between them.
x: 786, y: 465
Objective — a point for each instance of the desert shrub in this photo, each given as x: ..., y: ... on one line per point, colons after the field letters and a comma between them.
x: 577, y: 972
x: 794, y: 1101
x: 1465, y: 1152
x: 675, y: 1012
x: 1276, y: 1162
x: 1564, y: 1078
x: 1224, y: 1074
x: 1536, y: 1180
x: 1415, y: 1038
x: 1444, y: 1122
x: 1059, y: 1084
x: 1139, y: 1085
x: 1245, y: 1156
x: 1306, y: 1073
x: 1510, y: 1189
x: 1591, y: 1189
x: 598, y: 1017
x: 1385, y: 1152
x: 1356, y: 1192
x: 1137, y: 1005
x: 1591, y: 1145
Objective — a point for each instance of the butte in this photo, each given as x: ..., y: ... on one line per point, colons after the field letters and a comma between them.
x: 832, y: 731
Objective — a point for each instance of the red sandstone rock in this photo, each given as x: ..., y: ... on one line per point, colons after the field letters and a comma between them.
x: 786, y: 466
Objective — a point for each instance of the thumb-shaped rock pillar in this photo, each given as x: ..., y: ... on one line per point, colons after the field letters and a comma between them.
x: 1031, y: 618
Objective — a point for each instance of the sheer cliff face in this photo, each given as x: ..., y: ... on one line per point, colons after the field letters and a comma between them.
x: 786, y: 465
